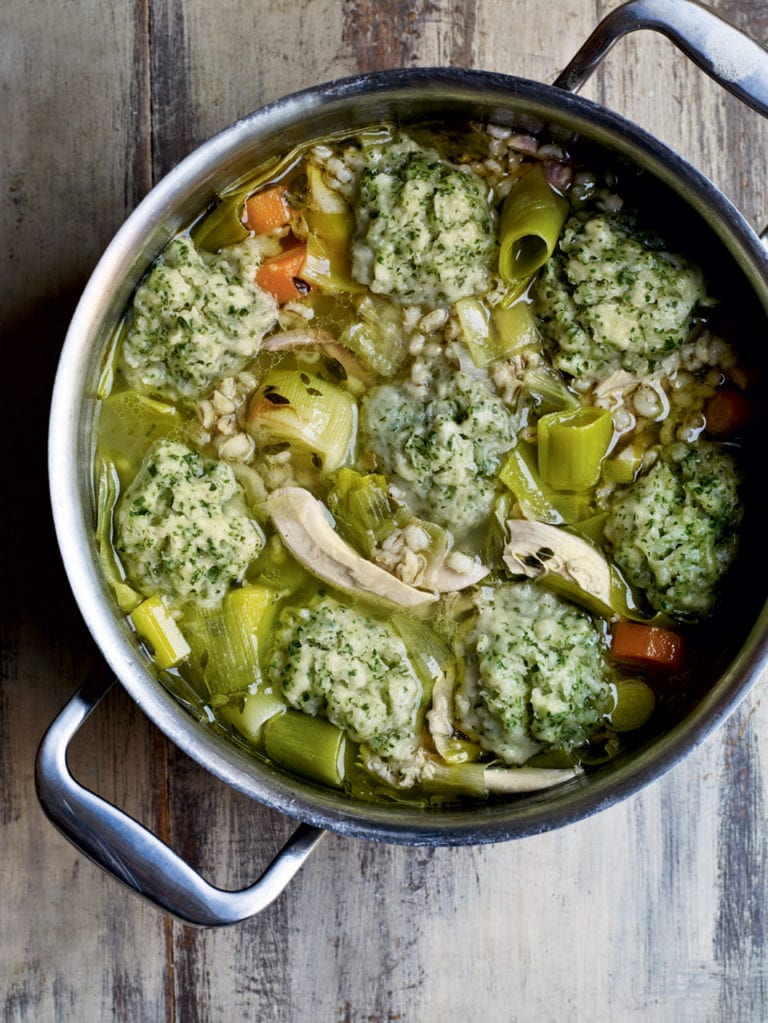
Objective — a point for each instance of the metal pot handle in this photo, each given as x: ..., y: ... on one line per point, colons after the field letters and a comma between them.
x: 729, y: 56
x: 134, y: 855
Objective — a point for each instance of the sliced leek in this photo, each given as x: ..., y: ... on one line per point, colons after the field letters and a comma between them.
x: 227, y: 641
x: 538, y: 501
x: 572, y: 445
x: 277, y: 568
x: 309, y: 746
x: 308, y: 412
x: 520, y: 475
x: 377, y: 336
x: 624, y: 466
x: 480, y: 781
x: 129, y: 423
x: 592, y: 528
x: 548, y: 389
x: 516, y: 328
x: 454, y: 779
x: 492, y: 334
x: 429, y: 655
x: 156, y: 626
x: 574, y: 507
x: 507, y: 781
x: 330, y: 221
x: 223, y: 225
x: 108, y: 490
x: 321, y: 198
x: 249, y: 714
x: 633, y: 707
x: 532, y: 219
x: 327, y: 260
x: 364, y: 512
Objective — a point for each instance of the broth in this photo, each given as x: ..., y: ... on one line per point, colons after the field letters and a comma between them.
x: 419, y: 464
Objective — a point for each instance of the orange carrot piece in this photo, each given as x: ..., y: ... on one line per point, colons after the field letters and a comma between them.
x: 726, y: 412
x: 647, y: 646
x: 266, y: 211
x: 279, y: 274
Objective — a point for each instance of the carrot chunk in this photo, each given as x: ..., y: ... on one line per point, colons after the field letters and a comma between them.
x: 647, y: 646
x: 281, y: 275
x: 726, y: 412
x: 266, y: 211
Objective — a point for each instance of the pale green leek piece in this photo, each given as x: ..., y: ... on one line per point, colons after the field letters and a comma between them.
x: 223, y: 225
x: 537, y: 500
x: 635, y: 702
x: 306, y: 411
x: 108, y: 490
x: 377, y: 336
x: 309, y: 746
x: 549, y: 390
x: 532, y: 218
x: 155, y: 625
x: 364, y: 512
x: 129, y: 423
x: 625, y: 465
x: 499, y: 333
x: 251, y: 713
x: 572, y: 445
x: 331, y: 222
x: 520, y: 475
x: 227, y: 641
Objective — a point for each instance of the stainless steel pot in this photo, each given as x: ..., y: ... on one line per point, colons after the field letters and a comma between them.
x: 103, y: 832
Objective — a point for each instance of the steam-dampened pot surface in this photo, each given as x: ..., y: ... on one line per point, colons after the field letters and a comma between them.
x: 692, y: 802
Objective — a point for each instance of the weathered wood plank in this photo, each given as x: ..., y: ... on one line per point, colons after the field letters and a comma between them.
x: 74, y: 163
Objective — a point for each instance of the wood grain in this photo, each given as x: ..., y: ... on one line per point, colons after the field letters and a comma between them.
x: 653, y: 910
x: 72, y: 169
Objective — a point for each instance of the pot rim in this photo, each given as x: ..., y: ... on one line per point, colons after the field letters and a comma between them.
x: 123, y: 261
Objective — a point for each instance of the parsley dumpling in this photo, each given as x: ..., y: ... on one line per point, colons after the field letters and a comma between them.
x: 675, y: 530
x: 195, y: 320
x: 613, y: 298
x: 444, y: 448
x: 425, y: 228
x: 183, y: 528
x: 341, y: 663
x: 535, y: 673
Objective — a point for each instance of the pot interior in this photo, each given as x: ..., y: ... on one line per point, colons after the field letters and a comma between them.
x: 697, y: 219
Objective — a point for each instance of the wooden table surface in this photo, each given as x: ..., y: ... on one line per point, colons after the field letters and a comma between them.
x: 655, y: 909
